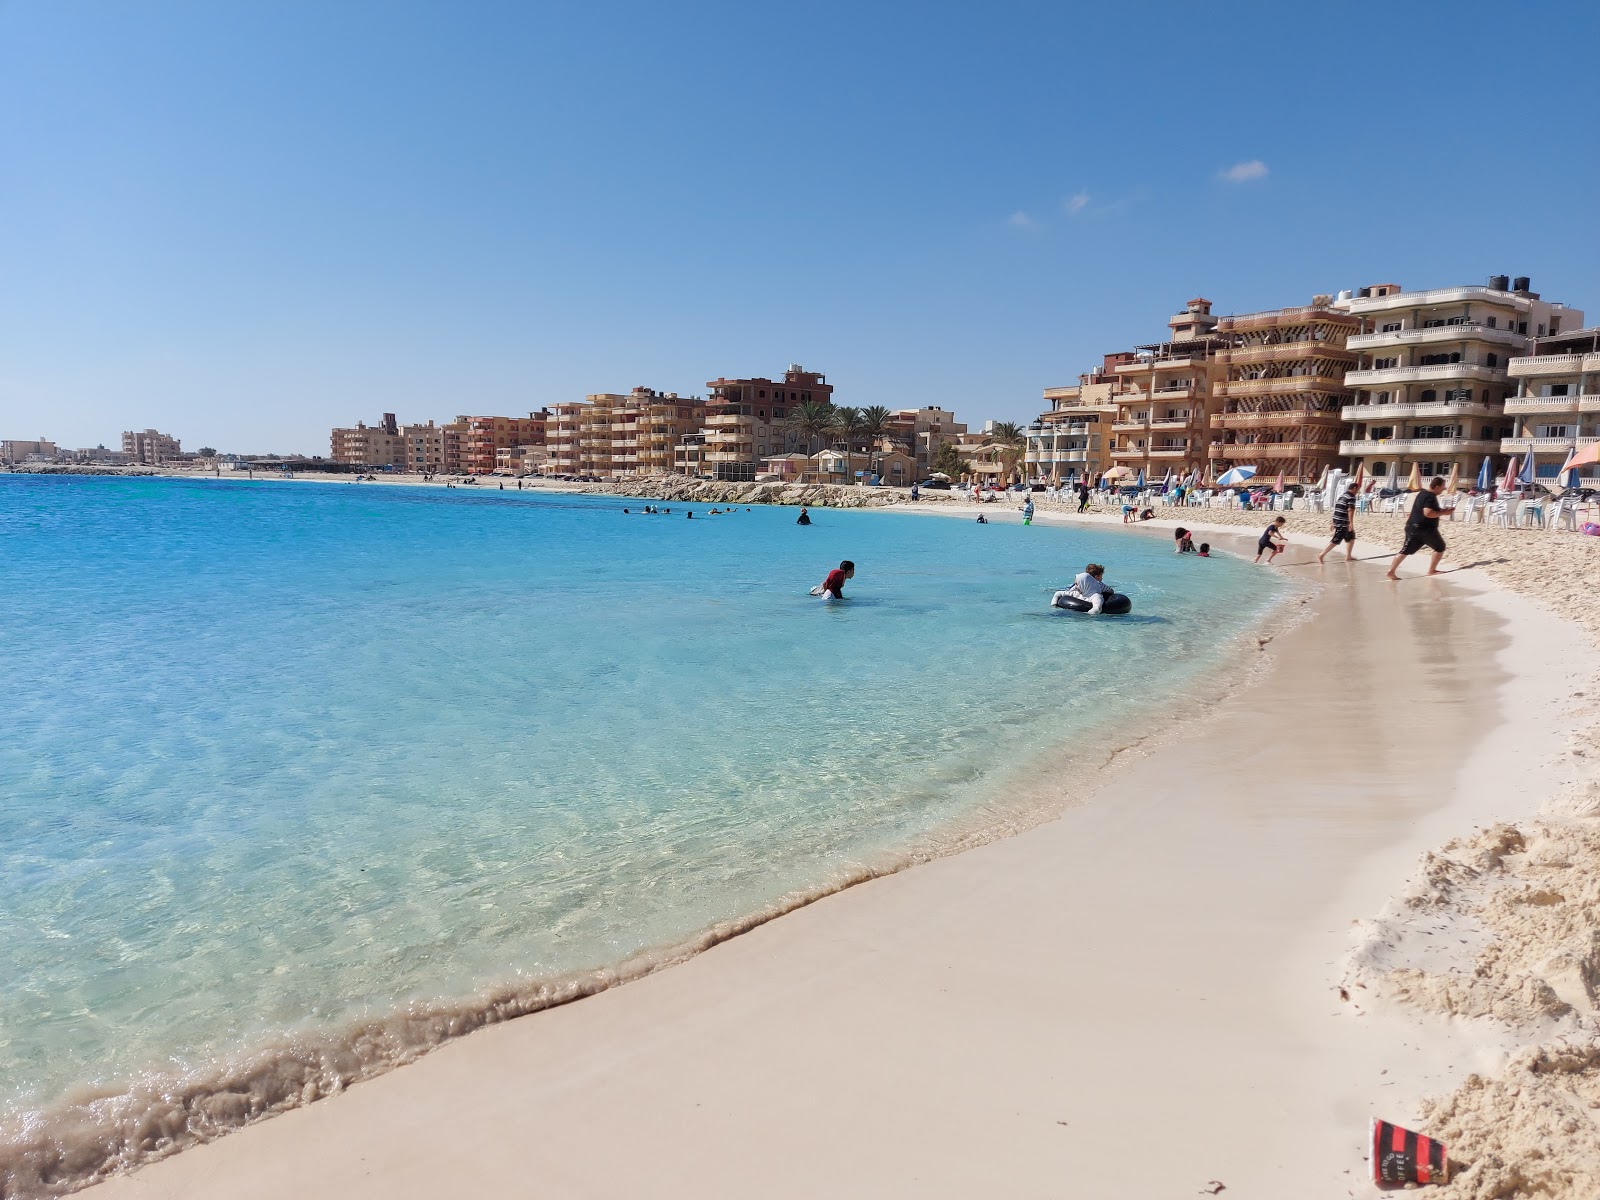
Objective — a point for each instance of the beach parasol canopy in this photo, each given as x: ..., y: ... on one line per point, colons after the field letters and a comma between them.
x: 1510, y: 481
x: 1166, y: 484
x: 1526, y: 474
x: 1361, y: 474
x: 1414, y: 481
x: 1235, y: 477
x: 1567, y: 477
x: 1278, y: 487
x: 1118, y: 473
x: 1140, y: 480
x: 1322, y: 480
x: 1485, y: 475
x: 1583, y: 456
x: 1455, y: 477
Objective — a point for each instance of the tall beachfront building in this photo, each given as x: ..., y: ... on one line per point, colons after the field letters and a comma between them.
x: 1165, y: 398
x: 1433, y: 373
x: 485, y: 436
x: 1281, y: 391
x: 747, y: 419
x: 923, y: 432
x: 150, y: 447
x: 363, y: 445
x: 1557, y: 404
x: 561, y: 438
x: 1072, y: 437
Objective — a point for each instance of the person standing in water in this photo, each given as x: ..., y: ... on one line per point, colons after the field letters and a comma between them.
x: 804, y: 517
x: 1272, y: 540
x: 1027, y: 511
x: 833, y: 586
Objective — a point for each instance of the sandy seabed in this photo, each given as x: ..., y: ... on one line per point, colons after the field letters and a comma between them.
x: 1202, y: 974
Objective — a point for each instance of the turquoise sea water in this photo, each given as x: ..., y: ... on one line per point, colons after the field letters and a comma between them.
x: 280, y: 757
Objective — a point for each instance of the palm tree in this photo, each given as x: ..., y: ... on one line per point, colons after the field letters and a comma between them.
x: 1009, y: 443
x: 812, y: 420
x: 847, y: 425
x: 874, y: 422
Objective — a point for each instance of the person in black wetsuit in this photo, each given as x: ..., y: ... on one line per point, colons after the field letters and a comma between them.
x: 804, y: 518
x: 1422, y: 528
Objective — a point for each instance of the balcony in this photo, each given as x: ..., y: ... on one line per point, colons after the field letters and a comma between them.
x: 1438, y: 297
x: 1120, y: 425
x: 1237, y: 452
x: 1281, y: 352
x: 1554, y: 364
x: 1433, y: 335
x: 1553, y: 404
x: 1174, y: 422
x: 1394, y: 412
x: 1435, y: 371
x: 1169, y: 452
x: 1288, y: 419
x: 1422, y: 446
x: 1285, y: 385
x: 1552, y: 444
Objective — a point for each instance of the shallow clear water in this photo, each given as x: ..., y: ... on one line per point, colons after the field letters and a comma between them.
x: 279, y: 755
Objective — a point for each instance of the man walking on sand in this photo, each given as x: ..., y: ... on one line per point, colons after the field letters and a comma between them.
x: 1344, y: 509
x: 1422, y: 529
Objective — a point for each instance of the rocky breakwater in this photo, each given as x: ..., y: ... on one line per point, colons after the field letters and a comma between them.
x: 681, y: 490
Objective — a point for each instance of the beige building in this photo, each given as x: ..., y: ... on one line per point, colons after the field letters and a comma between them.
x: 1433, y: 376
x: 747, y: 419
x: 1557, y: 403
x: 150, y: 448
x: 421, y: 449
x: 1165, y: 399
x: 16, y: 450
x: 923, y: 432
x: 613, y: 435
x: 562, y: 438
x: 1281, y: 391
x: 364, y: 445
x: 486, y: 436
x: 1071, y: 439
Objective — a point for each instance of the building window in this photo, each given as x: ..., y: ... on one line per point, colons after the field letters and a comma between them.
x: 1391, y: 327
x: 1379, y: 470
x: 1429, y: 396
x: 1491, y: 322
x: 1492, y: 360
x: 1386, y: 364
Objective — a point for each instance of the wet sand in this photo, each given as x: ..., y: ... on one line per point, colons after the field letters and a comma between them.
x: 1135, y: 999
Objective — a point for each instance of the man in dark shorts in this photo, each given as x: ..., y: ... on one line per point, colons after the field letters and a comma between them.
x: 1422, y: 528
x: 1344, y: 530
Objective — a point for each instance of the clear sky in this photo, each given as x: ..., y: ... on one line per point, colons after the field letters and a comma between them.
x: 245, y: 222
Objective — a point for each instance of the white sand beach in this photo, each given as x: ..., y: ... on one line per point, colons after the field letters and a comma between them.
x: 1141, y: 997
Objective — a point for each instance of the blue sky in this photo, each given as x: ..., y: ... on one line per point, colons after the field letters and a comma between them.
x: 244, y: 223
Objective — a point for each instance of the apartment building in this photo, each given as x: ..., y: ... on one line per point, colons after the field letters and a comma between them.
x: 421, y: 449
x: 1432, y: 378
x: 665, y: 420
x: 746, y: 419
x: 150, y: 448
x: 1070, y: 439
x: 1280, y: 390
x: 1557, y: 403
x: 17, y: 450
x: 562, y: 438
x: 1165, y: 400
x: 485, y: 436
x: 923, y: 431
x: 363, y: 445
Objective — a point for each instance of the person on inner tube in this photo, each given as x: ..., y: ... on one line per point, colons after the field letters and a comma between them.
x: 1089, y: 586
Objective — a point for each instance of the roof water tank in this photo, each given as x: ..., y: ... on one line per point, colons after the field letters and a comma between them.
x: 1344, y: 294
x: 1520, y: 283
x: 1363, y: 293
x: 1499, y: 283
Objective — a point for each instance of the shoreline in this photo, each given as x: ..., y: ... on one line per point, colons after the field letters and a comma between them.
x: 754, y: 1000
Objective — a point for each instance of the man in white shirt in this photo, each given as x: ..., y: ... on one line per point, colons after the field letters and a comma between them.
x: 1089, y: 585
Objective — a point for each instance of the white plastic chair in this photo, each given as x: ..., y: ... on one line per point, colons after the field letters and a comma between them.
x: 1497, y: 514
x: 1563, y: 515
x: 1530, y: 512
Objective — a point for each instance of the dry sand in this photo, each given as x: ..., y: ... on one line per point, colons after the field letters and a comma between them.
x: 1136, y: 999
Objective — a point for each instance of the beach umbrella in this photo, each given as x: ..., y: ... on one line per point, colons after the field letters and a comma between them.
x: 1583, y: 456
x: 1526, y: 474
x: 1116, y: 473
x: 1510, y: 481
x: 1455, y: 477
x: 1361, y: 475
x: 1322, y: 480
x: 1166, y: 484
x: 1485, y: 475
x: 1414, y: 482
x: 1278, y: 487
x: 1567, y: 477
x: 1235, y: 477
x: 1139, y: 482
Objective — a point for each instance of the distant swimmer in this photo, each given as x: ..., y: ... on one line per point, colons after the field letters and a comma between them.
x: 805, y: 516
x: 691, y: 514
x: 982, y: 520
x: 833, y: 586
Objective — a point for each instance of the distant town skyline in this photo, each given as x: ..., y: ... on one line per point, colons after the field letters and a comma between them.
x: 250, y: 225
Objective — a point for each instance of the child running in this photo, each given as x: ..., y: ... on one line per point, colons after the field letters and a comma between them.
x: 1272, y: 541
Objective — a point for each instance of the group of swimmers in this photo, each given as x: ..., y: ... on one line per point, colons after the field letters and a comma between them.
x: 1185, y: 543
x: 651, y: 510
